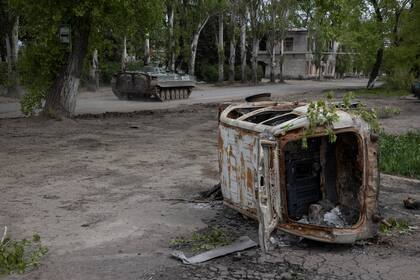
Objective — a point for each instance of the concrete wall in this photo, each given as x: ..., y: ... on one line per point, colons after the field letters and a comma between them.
x: 295, y: 66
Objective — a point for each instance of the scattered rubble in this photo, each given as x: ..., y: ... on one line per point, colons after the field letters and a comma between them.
x: 411, y: 203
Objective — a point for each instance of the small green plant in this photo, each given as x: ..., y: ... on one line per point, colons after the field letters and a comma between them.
x: 323, y: 113
x: 20, y: 255
x: 367, y: 114
x: 320, y: 113
x: 388, y: 112
x: 201, y: 241
x: 393, y: 224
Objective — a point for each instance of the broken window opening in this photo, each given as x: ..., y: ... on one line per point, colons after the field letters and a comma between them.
x: 234, y: 114
x: 323, y: 181
x: 264, y: 116
x: 280, y: 119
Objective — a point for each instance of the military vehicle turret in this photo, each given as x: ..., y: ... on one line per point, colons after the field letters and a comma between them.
x: 152, y: 82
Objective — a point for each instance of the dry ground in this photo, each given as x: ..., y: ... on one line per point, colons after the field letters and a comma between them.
x: 108, y: 193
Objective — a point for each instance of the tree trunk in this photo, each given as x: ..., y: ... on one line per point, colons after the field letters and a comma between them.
x: 281, y: 61
x: 375, y: 70
x: 194, y: 44
x: 171, y: 38
x: 232, y: 57
x: 232, y: 48
x: 124, y: 55
x: 243, y: 50
x: 94, y: 71
x: 61, y: 100
x: 147, y: 50
x: 273, y: 64
x: 220, y: 49
x: 255, y: 48
x: 12, y: 52
x: 380, y: 51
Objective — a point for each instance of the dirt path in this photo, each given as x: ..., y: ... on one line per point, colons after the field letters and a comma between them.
x: 106, y: 195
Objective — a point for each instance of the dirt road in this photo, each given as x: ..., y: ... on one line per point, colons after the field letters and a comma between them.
x: 104, y: 101
x: 108, y: 193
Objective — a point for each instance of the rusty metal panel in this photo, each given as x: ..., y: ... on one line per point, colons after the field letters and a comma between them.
x: 238, y: 154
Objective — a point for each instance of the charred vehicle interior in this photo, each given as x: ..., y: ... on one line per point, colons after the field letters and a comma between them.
x: 326, y: 191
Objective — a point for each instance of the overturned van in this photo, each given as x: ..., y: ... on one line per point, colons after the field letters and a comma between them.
x: 324, y: 191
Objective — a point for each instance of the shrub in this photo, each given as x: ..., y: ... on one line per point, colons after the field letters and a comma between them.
x: 207, y: 72
x: 3, y: 74
x: 107, y: 69
x: 399, y: 78
x: 135, y: 66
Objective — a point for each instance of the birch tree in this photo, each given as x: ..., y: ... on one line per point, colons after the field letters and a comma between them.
x: 256, y: 20
x: 278, y: 17
x: 170, y: 13
x: 233, y: 30
x: 243, y: 14
x: 9, y: 21
x: 197, y: 14
x: 220, y: 46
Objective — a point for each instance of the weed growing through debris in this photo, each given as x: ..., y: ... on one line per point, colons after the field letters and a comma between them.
x: 388, y: 112
x: 400, y: 154
x: 320, y: 113
x: 367, y: 114
x: 202, y: 241
x: 20, y: 255
x: 323, y: 113
x: 399, y: 225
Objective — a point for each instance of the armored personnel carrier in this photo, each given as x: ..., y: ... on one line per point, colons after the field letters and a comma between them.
x: 151, y: 82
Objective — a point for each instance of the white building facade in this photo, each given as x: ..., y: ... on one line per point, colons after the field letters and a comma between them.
x: 298, y: 60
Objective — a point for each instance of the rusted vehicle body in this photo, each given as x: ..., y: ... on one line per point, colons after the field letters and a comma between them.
x: 152, y: 82
x: 326, y: 192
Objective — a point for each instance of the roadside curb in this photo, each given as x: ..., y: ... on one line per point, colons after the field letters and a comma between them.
x: 409, y: 180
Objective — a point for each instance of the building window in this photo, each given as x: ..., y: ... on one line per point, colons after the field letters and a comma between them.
x: 263, y: 44
x: 288, y: 44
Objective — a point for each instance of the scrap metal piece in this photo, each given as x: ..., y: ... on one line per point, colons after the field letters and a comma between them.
x: 243, y: 243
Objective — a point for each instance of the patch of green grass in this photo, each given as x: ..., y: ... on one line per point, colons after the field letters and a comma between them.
x: 20, y: 255
x: 202, y: 241
x: 400, y: 154
x: 399, y: 225
x: 380, y: 92
x: 388, y: 112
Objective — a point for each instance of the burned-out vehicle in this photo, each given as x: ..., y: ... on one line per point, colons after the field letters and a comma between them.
x: 152, y: 82
x: 327, y: 191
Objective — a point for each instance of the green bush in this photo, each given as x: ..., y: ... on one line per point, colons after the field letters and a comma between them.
x: 20, y: 255
x: 260, y: 73
x: 107, y: 69
x: 399, y: 78
x: 135, y: 66
x: 207, y: 72
x: 38, y: 66
x: 3, y: 74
